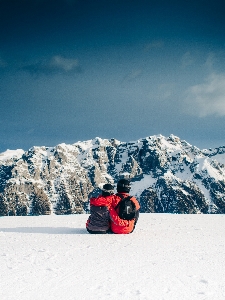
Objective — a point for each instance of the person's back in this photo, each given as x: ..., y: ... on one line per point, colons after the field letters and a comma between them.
x: 99, y: 220
x: 119, y: 225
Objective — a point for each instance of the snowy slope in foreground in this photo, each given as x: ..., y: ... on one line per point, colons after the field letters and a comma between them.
x: 167, y: 257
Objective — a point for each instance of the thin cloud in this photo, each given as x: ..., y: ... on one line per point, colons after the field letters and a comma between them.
x: 132, y: 75
x: 56, y: 65
x: 187, y: 60
x: 210, y: 60
x: 154, y: 45
x: 207, y: 98
x: 165, y: 90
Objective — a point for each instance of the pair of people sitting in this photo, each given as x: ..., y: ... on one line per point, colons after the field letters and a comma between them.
x: 104, y: 212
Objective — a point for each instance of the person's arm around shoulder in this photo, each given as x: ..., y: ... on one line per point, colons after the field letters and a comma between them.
x: 101, y: 201
x: 116, y: 219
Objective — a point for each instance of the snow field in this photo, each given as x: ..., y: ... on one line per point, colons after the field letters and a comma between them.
x: 166, y: 257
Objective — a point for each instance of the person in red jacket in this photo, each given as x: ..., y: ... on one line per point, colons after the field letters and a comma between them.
x: 119, y: 225
x: 99, y: 219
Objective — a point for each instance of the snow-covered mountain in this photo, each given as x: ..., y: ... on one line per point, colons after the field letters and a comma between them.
x: 168, y: 175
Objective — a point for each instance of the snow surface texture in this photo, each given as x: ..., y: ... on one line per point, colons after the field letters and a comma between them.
x: 176, y: 257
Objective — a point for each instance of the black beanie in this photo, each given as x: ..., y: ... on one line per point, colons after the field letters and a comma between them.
x: 123, y: 186
x: 108, y: 189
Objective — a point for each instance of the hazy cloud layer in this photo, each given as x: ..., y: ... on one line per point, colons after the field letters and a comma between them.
x: 166, y: 90
x: 207, y: 98
x: 210, y: 60
x: 187, y: 60
x: 56, y: 65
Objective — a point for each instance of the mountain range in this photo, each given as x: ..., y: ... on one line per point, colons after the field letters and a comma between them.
x: 168, y: 175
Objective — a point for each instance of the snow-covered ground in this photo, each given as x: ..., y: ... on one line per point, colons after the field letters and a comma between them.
x: 166, y: 257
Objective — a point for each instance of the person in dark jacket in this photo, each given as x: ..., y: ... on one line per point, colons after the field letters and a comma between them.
x: 119, y: 225
x: 99, y: 219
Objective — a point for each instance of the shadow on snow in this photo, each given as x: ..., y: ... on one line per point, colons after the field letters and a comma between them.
x: 46, y: 230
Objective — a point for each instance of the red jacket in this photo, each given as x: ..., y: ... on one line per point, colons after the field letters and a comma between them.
x: 119, y: 225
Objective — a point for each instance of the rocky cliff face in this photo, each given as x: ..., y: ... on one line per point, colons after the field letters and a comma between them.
x: 168, y: 175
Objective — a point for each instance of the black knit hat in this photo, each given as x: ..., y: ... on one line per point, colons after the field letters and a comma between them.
x: 108, y: 189
x: 123, y: 185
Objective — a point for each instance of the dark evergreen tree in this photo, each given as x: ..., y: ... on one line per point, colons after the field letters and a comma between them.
x: 3, y: 206
x: 40, y: 203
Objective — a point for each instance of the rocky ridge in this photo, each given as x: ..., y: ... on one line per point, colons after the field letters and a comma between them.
x: 168, y: 176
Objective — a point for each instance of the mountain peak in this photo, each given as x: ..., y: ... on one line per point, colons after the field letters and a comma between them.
x: 167, y: 175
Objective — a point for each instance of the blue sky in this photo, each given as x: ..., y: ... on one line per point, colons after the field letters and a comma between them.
x: 76, y: 69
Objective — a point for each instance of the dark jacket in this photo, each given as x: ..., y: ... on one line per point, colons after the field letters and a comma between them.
x: 99, y: 219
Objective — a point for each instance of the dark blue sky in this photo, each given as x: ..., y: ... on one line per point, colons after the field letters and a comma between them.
x: 76, y: 69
